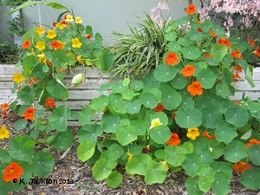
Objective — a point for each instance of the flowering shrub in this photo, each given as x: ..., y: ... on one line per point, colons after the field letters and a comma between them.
x: 180, y: 116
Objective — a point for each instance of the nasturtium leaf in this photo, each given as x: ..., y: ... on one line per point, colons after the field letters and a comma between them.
x: 89, y: 132
x: 86, y: 115
x: 160, y: 154
x: 204, y: 102
x: 135, y: 149
x: 149, y: 100
x: 191, y: 164
x: 235, y: 151
x: 27, y: 95
x: 207, y: 78
x: 129, y: 94
x: 155, y: 91
x: 57, y: 89
x: 126, y: 81
x: 20, y: 124
x: 237, y: 116
x: 38, y: 72
x: 195, y: 35
x: 170, y: 36
x: 111, y: 123
x: 187, y: 147
x: 206, y: 156
x: 211, y: 116
x: 99, y: 103
x: 21, y: 148
x: 137, y: 164
x: 191, y: 52
x: 171, y: 99
x: 43, y: 164
x: 188, y: 118
x: 187, y: 102
x: 165, y: 73
x: 174, y: 46
x: 219, y: 30
x: 101, y: 169
x: 160, y: 134
x: 85, y: 150
x: 227, y: 60
x: 218, y: 52
x: 199, y: 66
x: 114, y: 179
x: 179, y: 82
x: 59, y: 58
x: 222, y: 90
x: 115, y: 151
x: 126, y: 134
x: 140, y: 125
x: 216, y: 148
x: 250, y: 178
x: 254, y: 154
x: 225, y: 132
x: 174, y: 155
x: 119, y: 87
x: 227, y: 77
x: 206, y: 170
x: 205, y: 183
x: 63, y: 140
x: 223, y: 167
x: 28, y: 63
x: 184, y: 42
x: 59, y: 119
x: 150, y: 81
x: 4, y: 156
x: 192, y: 186
x: 155, y: 173
x: 133, y: 107
x: 249, y: 75
x: 254, y: 109
x: 106, y: 60
x: 137, y: 85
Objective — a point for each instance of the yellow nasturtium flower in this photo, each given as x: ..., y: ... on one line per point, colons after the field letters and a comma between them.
x: 69, y: 18
x: 78, y: 20
x: 42, y: 58
x: 155, y: 123
x: 193, y: 133
x: 40, y: 45
x: 18, y: 78
x: 76, y: 43
x: 51, y: 34
x: 40, y: 30
x: 4, y: 133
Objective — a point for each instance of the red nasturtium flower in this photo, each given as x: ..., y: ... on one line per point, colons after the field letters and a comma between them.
x: 252, y: 142
x: 206, y: 55
x: 188, y: 70
x: 159, y: 108
x: 212, y: 33
x: 49, y: 103
x: 171, y: 59
x: 225, y: 42
x: 195, y: 88
x: 174, y: 140
x: 200, y: 29
x: 207, y: 135
x: 241, y: 166
x: 88, y: 36
x: 257, y: 52
x: 236, y: 54
x: 251, y: 42
x: 26, y: 44
x: 12, y: 171
x: 191, y: 9
x: 29, y: 113
x: 56, y: 45
x: 238, y: 68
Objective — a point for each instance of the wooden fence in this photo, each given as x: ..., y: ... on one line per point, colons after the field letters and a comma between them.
x: 81, y: 95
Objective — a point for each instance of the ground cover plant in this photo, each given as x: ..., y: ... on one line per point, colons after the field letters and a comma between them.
x: 179, y: 117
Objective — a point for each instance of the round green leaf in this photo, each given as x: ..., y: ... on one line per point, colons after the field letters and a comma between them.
x: 4, y: 156
x: 27, y: 95
x: 115, y: 151
x: 235, y: 151
x: 140, y: 126
x: 174, y: 46
x: 188, y: 118
x: 101, y: 169
x: 191, y: 164
x: 187, y: 102
x: 137, y: 164
x: 160, y: 134
x: 165, y: 73
x: 57, y: 89
x: 149, y: 100
x: 20, y: 124
x: 254, y: 154
x: 99, y: 103
x: 137, y: 85
x: 174, y: 155
x: 225, y: 132
x: 43, y: 163
x: 237, y: 116
x: 218, y: 52
x: 205, y: 183
x: 114, y: 179
x: 192, y: 187
x: 111, y: 123
x: 85, y: 150
x: 58, y: 118
x: 170, y: 36
x: 171, y: 99
x: 211, y: 116
x: 222, y: 90
x: 195, y: 35
x: 133, y: 107
x: 207, y: 78
x: 126, y: 134
x: 63, y: 140
x: 250, y: 178
x: 155, y: 173
x: 89, y: 132
x: 191, y: 52
x: 179, y: 82
x: 86, y: 115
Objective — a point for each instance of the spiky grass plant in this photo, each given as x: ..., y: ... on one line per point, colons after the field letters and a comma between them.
x: 140, y: 50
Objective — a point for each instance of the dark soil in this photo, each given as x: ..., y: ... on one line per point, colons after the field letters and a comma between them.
x: 72, y: 177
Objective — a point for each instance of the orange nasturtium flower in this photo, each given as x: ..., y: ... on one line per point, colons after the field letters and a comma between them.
x: 40, y: 30
x: 12, y: 171
x: 4, y: 107
x: 40, y: 45
x: 49, y: 103
x: 174, y: 140
x: 241, y: 166
x: 251, y: 42
x: 29, y: 113
x: 207, y: 135
x: 56, y: 45
x: 193, y: 133
x: 195, y: 88
x: 159, y: 108
x: 252, y: 142
x: 26, y: 44
x: 4, y: 133
x: 257, y: 52
x: 188, y: 70
x: 236, y: 54
x: 225, y: 42
x: 171, y: 58
x: 212, y: 33
x: 61, y: 25
x: 200, y: 29
x: 51, y: 34
x: 76, y: 43
x: 18, y: 78
x: 191, y: 9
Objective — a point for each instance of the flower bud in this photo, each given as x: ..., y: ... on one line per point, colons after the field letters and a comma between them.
x: 77, y: 80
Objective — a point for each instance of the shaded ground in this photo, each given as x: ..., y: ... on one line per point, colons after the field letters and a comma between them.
x: 68, y: 169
